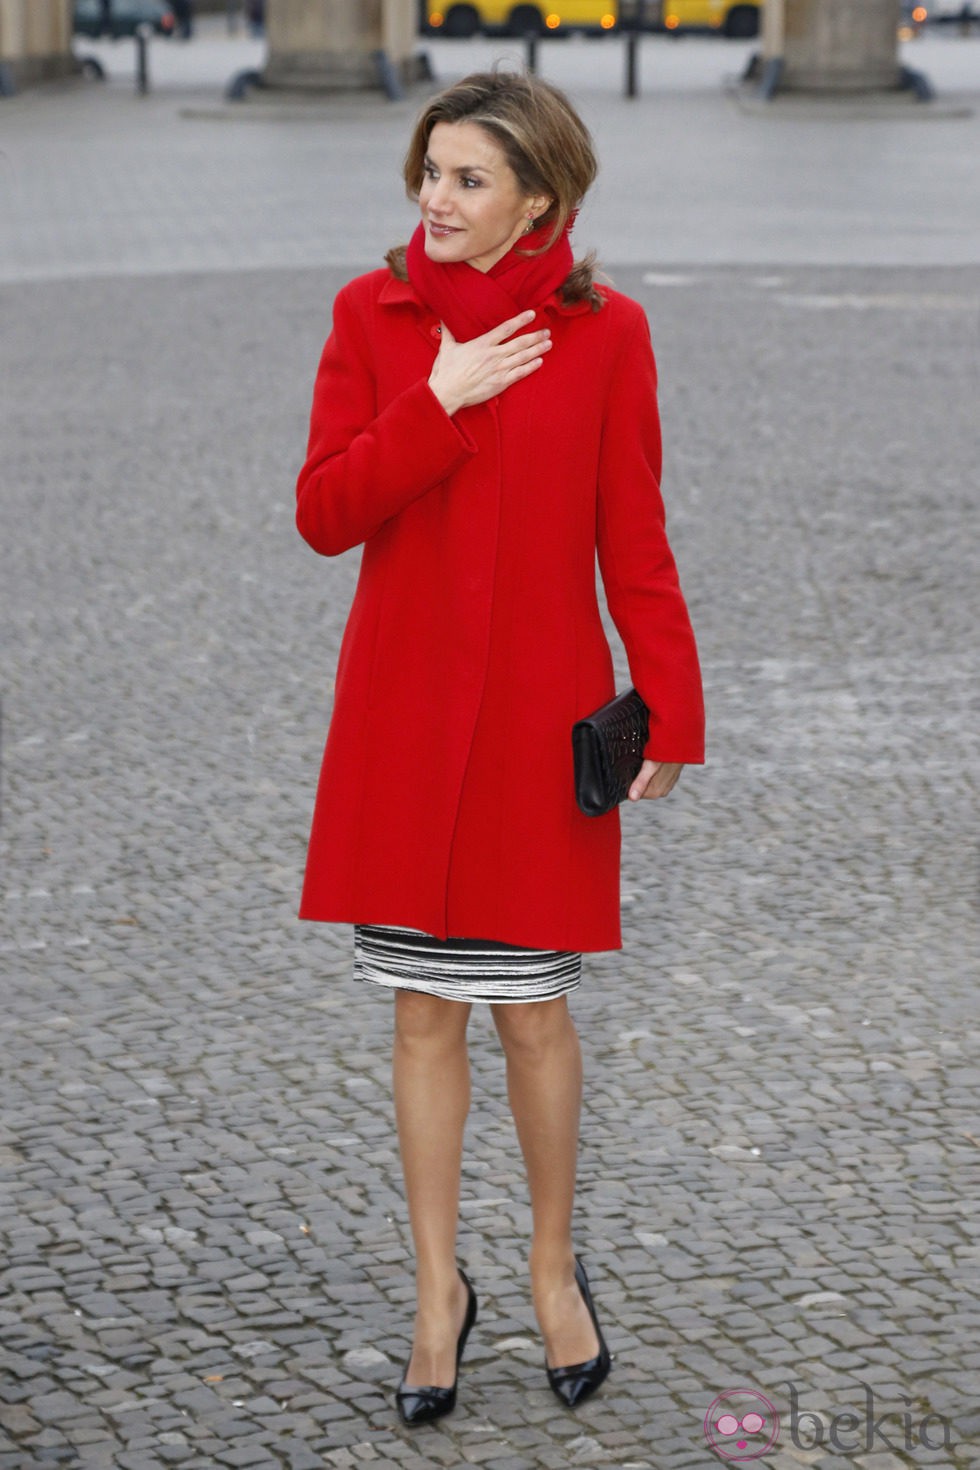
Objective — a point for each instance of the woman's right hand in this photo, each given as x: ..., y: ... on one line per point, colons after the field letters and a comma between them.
x: 465, y: 373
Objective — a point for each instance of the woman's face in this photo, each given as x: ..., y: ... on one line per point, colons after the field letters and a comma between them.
x: 472, y: 206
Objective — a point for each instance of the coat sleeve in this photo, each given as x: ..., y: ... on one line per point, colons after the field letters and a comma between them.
x: 363, y: 467
x: 637, y: 566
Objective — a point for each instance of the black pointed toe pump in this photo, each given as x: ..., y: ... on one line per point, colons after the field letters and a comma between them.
x: 423, y: 1405
x: 573, y: 1385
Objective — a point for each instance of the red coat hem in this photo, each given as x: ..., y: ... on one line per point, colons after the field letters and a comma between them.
x: 588, y: 945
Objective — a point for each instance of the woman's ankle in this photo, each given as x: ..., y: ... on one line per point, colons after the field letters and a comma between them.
x: 552, y: 1262
x: 438, y: 1286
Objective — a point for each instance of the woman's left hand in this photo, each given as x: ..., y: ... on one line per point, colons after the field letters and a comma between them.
x: 655, y: 778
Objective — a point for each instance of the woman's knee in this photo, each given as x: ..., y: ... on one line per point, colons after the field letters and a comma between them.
x: 532, y: 1030
x: 429, y: 1021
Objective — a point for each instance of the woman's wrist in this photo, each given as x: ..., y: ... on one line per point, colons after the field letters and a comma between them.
x: 448, y: 403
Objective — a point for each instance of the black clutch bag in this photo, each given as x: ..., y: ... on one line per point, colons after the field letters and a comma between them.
x: 607, y: 748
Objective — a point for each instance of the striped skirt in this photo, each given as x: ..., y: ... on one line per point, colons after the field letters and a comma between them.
x: 462, y: 969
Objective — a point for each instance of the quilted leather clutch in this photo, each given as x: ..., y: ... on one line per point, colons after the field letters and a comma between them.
x: 607, y: 748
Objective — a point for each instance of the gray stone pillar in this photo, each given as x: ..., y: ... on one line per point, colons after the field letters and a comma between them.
x: 833, y: 46
x: 333, y: 44
x: 35, y: 40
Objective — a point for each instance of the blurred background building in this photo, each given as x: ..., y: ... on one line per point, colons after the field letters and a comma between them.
x: 35, y: 40
x: 335, y: 43
x: 834, y: 45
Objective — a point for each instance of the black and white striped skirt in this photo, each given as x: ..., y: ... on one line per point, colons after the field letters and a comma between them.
x: 462, y: 969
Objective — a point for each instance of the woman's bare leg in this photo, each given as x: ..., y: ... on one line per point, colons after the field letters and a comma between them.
x: 544, y: 1084
x: 431, y: 1079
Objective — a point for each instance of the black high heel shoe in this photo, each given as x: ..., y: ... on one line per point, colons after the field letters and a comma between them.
x: 422, y: 1405
x: 574, y: 1384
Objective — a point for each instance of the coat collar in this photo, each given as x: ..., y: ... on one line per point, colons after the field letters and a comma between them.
x: 397, y: 293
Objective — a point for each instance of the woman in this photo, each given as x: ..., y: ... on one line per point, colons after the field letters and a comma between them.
x: 484, y: 420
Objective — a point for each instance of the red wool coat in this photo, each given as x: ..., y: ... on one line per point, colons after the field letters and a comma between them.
x: 474, y: 641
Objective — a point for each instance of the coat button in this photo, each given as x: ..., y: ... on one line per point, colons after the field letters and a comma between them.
x: 436, y: 331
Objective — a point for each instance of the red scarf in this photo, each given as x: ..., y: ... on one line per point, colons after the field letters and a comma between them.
x: 472, y: 301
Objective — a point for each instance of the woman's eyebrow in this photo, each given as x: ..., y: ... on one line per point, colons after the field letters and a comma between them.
x: 472, y: 168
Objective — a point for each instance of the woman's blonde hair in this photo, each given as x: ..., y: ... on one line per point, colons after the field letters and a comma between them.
x: 544, y: 141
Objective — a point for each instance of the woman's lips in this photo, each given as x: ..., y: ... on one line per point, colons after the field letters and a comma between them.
x: 441, y: 231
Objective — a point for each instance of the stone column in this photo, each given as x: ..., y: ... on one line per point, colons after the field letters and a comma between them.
x: 332, y: 45
x: 833, y: 46
x: 35, y: 40
x: 773, y: 29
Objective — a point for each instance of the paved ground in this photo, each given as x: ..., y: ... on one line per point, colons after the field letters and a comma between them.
x: 102, y: 182
x: 202, y: 1233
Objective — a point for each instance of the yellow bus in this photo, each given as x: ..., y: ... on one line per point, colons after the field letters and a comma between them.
x: 539, y: 17
x: 735, y: 18
x: 517, y: 17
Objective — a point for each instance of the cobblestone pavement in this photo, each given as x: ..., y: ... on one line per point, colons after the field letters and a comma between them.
x: 181, y: 181
x: 203, y: 1242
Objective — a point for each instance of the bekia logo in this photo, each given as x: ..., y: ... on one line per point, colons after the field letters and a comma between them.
x: 741, y: 1424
